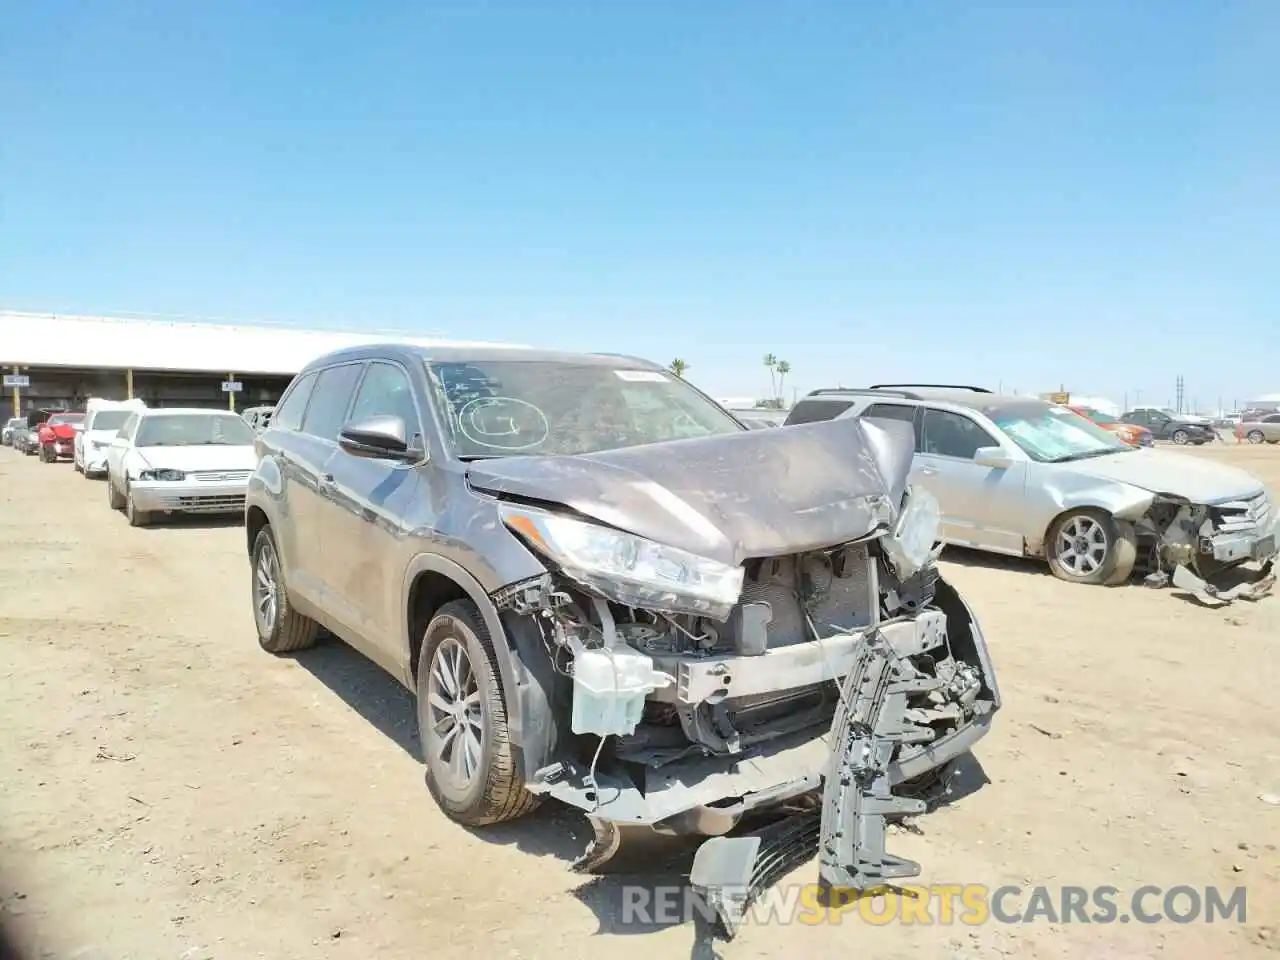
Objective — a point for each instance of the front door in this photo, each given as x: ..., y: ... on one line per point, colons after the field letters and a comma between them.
x: 980, y: 505
x: 371, y: 499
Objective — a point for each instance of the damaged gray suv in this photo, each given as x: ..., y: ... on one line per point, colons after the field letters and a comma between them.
x: 605, y: 589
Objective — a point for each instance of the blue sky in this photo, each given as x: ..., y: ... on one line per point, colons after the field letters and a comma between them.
x: 1023, y: 194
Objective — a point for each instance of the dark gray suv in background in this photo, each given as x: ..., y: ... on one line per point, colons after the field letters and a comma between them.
x: 605, y: 589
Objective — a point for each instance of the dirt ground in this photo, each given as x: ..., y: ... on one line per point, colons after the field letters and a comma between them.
x: 171, y: 791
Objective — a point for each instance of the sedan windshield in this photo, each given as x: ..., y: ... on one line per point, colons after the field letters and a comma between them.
x: 498, y: 408
x: 192, y: 429
x: 1053, y: 434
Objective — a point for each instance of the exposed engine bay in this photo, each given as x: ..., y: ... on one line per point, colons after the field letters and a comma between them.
x: 848, y: 666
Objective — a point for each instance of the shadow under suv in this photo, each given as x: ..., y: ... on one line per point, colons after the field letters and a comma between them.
x: 605, y: 589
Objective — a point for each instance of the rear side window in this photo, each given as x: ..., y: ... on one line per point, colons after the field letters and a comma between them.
x: 811, y: 410
x: 894, y: 411
x: 327, y: 411
x: 289, y: 413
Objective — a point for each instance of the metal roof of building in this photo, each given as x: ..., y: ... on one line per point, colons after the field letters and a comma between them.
x: 57, y: 340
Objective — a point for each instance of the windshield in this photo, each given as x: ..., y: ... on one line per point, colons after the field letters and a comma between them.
x: 16, y: 421
x: 109, y: 419
x: 58, y: 418
x: 1056, y: 435
x: 538, y: 407
x: 1097, y: 416
x: 188, y: 430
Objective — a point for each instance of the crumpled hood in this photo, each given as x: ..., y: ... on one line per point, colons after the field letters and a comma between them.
x: 1164, y: 471
x: 757, y: 493
x: 210, y: 456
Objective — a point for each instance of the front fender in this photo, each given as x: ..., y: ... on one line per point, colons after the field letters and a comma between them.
x: 524, y: 670
x: 1121, y: 500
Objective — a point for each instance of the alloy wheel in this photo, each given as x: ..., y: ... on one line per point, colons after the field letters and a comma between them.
x: 266, y: 589
x: 1082, y: 546
x: 1256, y: 436
x: 456, y: 719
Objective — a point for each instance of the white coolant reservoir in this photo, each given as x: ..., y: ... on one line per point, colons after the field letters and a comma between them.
x: 609, y: 688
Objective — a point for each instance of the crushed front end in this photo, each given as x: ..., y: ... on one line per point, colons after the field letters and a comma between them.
x: 796, y: 701
x: 1191, y: 544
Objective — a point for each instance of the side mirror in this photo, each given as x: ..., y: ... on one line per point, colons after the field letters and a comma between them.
x: 994, y: 457
x: 379, y: 438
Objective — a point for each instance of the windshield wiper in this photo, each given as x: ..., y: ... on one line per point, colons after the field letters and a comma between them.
x: 1087, y: 455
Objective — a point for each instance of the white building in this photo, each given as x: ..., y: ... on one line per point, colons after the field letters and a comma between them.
x: 70, y: 358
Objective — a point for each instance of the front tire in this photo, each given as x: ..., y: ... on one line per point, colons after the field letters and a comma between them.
x: 281, y: 629
x: 1092, y: 547
x: 136, y: 517
x: 115, y: 500
x: 462, y: 722
x: 1255, y: 436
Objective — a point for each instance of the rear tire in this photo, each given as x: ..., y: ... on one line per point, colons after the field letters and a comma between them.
x: 462, y: 722
x: 281, y: 629
x: 1256, y: 436
x: 1180, y: 437
x: 1090, y: 546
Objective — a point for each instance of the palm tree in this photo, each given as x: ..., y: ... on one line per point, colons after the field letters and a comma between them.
x: 783, y: 369
x: 771, y: 362
x: 678, y: 367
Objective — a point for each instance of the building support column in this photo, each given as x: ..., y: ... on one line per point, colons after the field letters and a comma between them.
x: 231, y: 394
x: 128, y: 384
x: 17, y: 396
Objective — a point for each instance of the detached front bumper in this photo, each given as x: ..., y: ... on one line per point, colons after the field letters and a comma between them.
x: 188, y: 496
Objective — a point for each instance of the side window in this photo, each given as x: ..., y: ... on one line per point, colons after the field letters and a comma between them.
x: 895, y: 411
x: 1274, y: 418
x: 952, y: 435
x: 127, y: 430
x: 813, y: 410
x: 327, y: 411
x: 289, y: 414
x: 385, y: 392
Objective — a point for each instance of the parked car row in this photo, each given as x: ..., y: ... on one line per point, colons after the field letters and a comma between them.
x: 1029, y: 478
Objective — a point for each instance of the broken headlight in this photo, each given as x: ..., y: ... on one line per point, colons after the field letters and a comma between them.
x: 628, y: 569
x: 910, y: 546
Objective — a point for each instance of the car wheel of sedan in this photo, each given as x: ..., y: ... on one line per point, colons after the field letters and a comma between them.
x: 1255, y: 436
x: 1091, y: 546
x: 462, y: 722
x: 281, y: 629
x: 115, y: 500
x: 1181, y: 437
x: 136, y: 517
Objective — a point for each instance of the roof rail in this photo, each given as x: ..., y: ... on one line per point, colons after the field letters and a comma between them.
x: 857, y: 390
x: 931, y: 386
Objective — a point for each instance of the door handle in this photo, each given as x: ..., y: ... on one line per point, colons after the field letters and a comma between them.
x: 929, y: 471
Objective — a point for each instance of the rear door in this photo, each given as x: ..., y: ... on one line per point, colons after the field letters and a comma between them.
x: 365, y: 526
x: 1271, y: 427
x: 980, y: 505
x: 305, y: 454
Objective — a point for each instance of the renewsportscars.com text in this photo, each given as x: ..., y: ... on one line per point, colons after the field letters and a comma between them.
x: 949, y: 904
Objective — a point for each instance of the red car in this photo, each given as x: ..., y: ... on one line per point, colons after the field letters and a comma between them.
x: 57, y: 436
